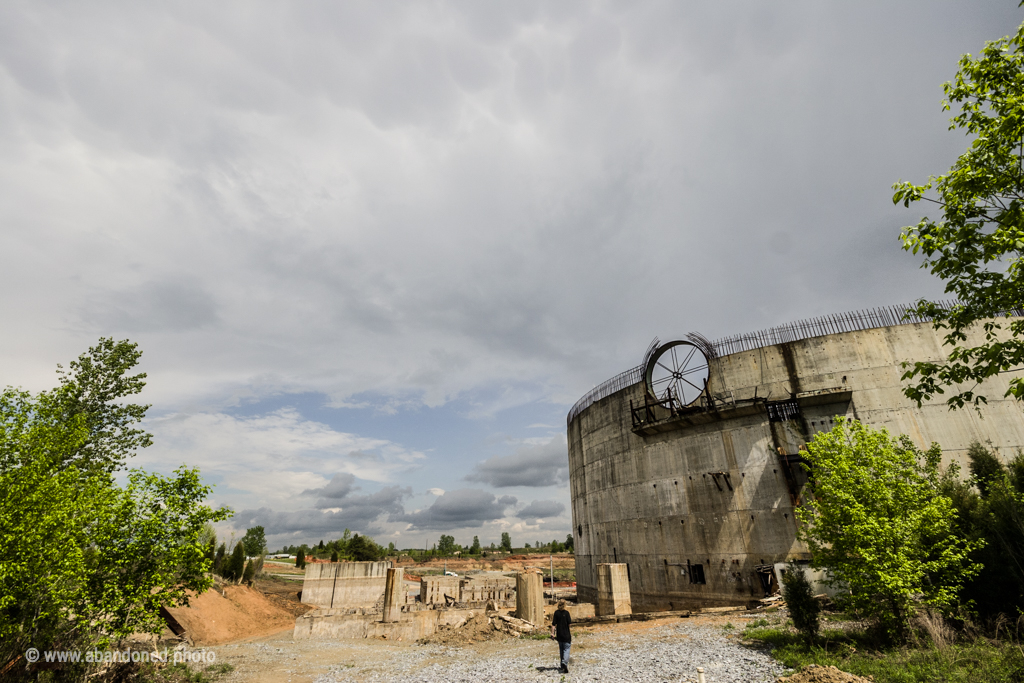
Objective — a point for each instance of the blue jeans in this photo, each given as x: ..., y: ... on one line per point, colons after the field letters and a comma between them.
x: 563, y: 652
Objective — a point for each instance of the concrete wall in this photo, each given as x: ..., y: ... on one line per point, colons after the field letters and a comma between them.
x: 344, y: 584
x: 410, y: 626
x: 706, y: 495
x: 476, y: 590
x: 433, y: 589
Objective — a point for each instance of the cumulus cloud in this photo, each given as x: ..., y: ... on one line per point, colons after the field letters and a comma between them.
x: 538, y: 464
x: 540, y: 509
x: 459, y: 508
x: 274, y: 456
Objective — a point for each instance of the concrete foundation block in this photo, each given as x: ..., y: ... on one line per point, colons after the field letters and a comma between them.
x: 530, y: 597
x: 613, y: 590
x: 394, y: 594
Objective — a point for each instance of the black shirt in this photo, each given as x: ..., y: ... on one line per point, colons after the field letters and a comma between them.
x: 561, y: 621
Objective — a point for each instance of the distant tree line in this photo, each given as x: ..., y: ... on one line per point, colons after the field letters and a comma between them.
x: 352, y: 547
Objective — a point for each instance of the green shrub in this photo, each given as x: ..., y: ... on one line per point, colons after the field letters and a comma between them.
x: 803, y: 608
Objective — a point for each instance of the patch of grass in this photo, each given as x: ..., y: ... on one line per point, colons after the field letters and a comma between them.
x: 537, y: 635
x: 728, y: 626
x: 757, y: 623
x: 859, y: 654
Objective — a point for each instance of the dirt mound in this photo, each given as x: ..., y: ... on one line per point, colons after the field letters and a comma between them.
x: 230, y: 613
x: 812, y: 673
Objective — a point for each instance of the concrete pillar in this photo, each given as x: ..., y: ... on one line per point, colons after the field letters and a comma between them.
x: 613, y: 590
x: 394, y: 594
x: 530, y: 597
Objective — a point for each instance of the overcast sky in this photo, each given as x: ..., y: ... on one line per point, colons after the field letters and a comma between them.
x: 374, y: 251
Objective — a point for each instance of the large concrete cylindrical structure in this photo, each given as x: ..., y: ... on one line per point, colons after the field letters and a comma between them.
x: 698, y: 501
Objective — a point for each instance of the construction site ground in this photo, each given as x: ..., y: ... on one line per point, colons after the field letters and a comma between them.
x: 657, y: 649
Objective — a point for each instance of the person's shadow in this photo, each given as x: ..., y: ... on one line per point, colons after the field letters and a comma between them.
x: 549, y: 668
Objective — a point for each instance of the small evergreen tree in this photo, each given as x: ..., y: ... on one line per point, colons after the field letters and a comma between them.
x: 300, y: 559
x: 218, y: 561
x: 249, y: 573
x: 334, y: 556
x: 236, y: 566
x: 568, y: 543
x: 506, y: 541
x: 803, y: 608
x: 475, y: 548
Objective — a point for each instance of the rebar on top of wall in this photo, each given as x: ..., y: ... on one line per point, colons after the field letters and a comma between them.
x: 868, y: 319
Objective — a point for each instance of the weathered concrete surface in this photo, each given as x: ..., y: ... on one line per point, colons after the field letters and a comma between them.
x: 707, y: 497
x: 500, y: 589
x: 613, y: 590
x: 530, y: 597
x: 394, y: 594
x: 433, y: 589
x: 344, y: 584
x: 410, y: 626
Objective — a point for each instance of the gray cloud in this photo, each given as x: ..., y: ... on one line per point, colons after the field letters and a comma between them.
x: 333, y: 515
x: 494, y: 203
x: 540, y: 509
x: 336, y: 489
x: 536, y: 465
x: 460, y: 508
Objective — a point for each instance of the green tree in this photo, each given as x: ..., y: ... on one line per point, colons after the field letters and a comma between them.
x: 475, y: 548
x: 300, y: 559
x: 446, y: 545
x: 506, y: 541
x: 208, y: 539
x: 991, y: 515
x: 800, y: 601
x: 219, y: 560
x: 83, y: 559
x: 363, y: 549
x: 881, y: 526
x: 236, y: 565
x: 334, y: 556
x: 249, y: 573
x: 976, y: 244
x: 91, y: 387
x: 568, y: 543
x: 255, y: 541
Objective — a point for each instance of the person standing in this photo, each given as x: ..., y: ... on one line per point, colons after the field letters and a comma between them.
x: 560, y: 622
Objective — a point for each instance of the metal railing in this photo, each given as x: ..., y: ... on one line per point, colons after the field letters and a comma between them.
x: 868, y: 319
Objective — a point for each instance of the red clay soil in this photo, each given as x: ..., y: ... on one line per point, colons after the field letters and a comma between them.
x: 228, y: 613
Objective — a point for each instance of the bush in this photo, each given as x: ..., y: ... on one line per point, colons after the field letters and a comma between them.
x: 803, y: 608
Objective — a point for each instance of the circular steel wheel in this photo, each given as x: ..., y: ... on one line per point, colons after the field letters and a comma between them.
x: 677, y: 370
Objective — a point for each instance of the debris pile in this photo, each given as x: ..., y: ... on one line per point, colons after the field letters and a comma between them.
x: 480, y: 628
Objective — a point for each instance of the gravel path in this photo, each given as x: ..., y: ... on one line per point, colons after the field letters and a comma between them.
x: 671, y: 652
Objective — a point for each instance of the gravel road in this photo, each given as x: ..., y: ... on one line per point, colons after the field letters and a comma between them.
x: 670, y: 651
